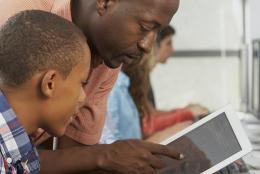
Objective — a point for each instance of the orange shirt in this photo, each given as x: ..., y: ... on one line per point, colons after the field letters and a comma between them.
x: 87, y: 127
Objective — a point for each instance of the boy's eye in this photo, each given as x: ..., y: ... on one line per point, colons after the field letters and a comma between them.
x: 84, y: 83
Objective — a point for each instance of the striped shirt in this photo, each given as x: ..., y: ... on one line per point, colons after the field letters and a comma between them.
x: 88, y: 125
x: 18, y: 155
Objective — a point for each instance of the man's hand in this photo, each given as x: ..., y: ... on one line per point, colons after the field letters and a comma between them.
x: 195, y: 161
x: 134, y: 156
x: 121, y: 157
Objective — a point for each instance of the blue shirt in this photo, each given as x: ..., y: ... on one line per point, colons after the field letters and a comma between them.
x: 17, y: 155
x: 122, y: 120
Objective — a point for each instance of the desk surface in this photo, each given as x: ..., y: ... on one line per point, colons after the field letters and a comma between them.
x: 252, y: 128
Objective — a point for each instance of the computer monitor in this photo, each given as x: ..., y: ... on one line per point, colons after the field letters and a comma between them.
x: 256, y: 78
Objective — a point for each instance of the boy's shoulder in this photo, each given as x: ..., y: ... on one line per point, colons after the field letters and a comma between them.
x: 15, y: 145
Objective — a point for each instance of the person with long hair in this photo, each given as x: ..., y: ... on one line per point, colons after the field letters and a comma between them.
x: 131, y: 112
x: 154, y: 120
x: 124, y: 117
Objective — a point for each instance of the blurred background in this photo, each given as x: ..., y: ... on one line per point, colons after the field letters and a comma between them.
x: 213, y: 59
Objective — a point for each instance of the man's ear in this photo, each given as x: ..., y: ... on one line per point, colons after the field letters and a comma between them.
x: 48, y: 83
x: 105, y: 5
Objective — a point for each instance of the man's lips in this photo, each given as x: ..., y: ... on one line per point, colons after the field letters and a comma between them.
x: 127, y: 60
x: 135, y: 56
x: 130, y: 58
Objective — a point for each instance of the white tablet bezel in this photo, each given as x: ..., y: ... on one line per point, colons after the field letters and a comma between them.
x: 237, y: 129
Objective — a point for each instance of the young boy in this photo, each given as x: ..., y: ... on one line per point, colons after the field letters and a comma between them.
x: 44, y: 63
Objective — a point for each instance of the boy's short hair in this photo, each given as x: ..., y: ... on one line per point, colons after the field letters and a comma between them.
x: 34, y: 41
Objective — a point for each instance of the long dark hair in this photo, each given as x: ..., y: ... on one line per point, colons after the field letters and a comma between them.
x: 139, y: 72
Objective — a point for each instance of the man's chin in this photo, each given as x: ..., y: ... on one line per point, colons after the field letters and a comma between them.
x: 112, y: 65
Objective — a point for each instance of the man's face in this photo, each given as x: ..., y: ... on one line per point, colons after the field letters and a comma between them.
x: 68, y: 97
x: 128, y: 29
x: 165, y: 49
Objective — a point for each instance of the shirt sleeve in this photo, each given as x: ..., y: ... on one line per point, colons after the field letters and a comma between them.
x: 10, y: 8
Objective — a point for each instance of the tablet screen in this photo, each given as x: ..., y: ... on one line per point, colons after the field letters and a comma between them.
x: 203, y: 147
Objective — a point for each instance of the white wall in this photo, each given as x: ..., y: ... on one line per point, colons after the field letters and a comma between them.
x: 208, y: 24
x: 254, y: 18
x: 212, y: 81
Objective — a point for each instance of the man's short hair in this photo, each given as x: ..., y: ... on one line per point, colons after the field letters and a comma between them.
x: 163, y: 33
x: 34, y: 41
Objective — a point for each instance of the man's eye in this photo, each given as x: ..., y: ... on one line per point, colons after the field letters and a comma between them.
x: 145, y: 28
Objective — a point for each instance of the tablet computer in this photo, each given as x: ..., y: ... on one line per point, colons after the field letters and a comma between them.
x: 208, y: 145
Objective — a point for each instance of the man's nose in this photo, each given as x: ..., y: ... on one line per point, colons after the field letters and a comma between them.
x: 147, y: 42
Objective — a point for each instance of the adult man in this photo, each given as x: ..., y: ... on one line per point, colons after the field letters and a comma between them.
x: 118, y: 31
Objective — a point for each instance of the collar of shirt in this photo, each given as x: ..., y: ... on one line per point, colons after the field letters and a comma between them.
x: 14, y: 141
x: 123, y: 80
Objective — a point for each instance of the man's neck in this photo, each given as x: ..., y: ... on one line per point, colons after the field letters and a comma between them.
x: 23, y: 108
x: 77, y: 14
x: 80, y: 12
x: 96, y: 60
x: 74, y: 11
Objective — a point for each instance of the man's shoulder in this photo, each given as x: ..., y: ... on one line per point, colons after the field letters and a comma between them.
x: 11, y: 7
x: 104, y: 73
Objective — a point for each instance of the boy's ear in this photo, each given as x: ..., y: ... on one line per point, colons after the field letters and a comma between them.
x: 104, y: 5
x: 48, y: 83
